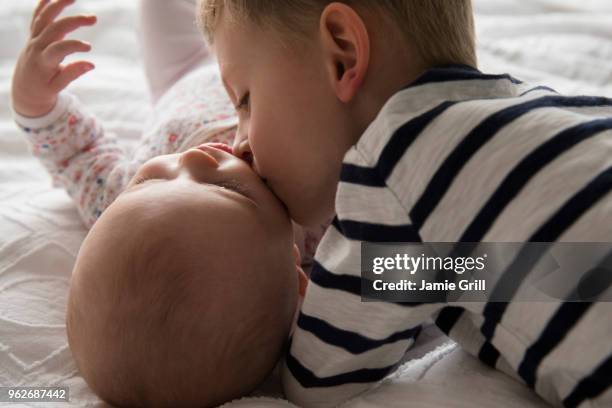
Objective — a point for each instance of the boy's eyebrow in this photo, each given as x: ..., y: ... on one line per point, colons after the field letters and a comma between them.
x: 227, y: 71
x: 228, y: 90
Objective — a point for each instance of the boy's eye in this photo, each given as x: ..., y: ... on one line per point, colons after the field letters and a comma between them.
x: 244, y: 102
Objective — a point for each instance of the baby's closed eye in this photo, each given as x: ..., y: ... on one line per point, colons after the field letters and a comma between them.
x: 235, y: 186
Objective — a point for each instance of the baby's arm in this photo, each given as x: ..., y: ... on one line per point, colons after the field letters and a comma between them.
x: 73, y: 147
x: 69, y: 142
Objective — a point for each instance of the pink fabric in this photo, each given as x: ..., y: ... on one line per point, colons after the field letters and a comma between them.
x: 171, y: 43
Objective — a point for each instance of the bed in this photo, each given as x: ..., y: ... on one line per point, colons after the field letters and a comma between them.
x: 564, y: 44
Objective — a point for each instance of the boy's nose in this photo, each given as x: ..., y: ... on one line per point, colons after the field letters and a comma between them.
x: 242, y: 150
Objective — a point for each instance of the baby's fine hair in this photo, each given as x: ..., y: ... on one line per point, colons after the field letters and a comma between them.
x: 154, y: 320
x: 442, y: 31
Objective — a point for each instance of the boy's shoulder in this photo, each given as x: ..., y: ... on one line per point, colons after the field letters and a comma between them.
x: 437, y: 143
x: 463, y: 101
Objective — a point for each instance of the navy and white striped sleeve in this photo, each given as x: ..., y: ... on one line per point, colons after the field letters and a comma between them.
x: 341, y: 346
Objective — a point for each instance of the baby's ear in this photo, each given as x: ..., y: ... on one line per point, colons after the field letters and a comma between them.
x: 296, y: 255
x: 302, y: 280
x: 302, y: 277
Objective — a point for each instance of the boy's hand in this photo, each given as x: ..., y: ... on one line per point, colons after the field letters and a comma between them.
x: 38, y: 76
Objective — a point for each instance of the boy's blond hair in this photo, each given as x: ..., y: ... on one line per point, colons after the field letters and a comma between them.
x: 442, y: 31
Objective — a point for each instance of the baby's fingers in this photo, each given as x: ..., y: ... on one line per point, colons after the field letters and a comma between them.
x: 45, y: 13
x: 60, y: 28
x: 69, y: 73
x: 56, y: 52
x: 39, y: 8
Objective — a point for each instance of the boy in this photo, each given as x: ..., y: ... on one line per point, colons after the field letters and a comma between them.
x: 406, y: 140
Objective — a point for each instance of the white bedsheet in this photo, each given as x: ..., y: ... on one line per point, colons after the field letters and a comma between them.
x: 561, y: 43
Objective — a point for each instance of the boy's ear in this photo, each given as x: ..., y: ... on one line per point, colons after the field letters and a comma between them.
x: 346, y: 48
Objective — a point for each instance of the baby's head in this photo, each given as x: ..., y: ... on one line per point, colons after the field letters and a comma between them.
x: 184, y: 292
x: 309, y: 76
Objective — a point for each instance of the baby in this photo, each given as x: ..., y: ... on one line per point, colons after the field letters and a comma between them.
x: 184, y: 292
x: 186, y: 287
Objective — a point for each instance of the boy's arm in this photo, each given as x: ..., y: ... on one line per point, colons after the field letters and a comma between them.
x: 341, y: 345
x: 73, y: 147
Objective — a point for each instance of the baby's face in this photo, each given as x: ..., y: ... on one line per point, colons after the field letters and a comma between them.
x: 288, y: 111
x: 213, y: 175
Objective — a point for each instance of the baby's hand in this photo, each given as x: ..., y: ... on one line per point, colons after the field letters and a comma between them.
x: 38, y: 76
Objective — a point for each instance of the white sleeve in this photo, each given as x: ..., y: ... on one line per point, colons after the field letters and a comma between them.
x: 73, y: 147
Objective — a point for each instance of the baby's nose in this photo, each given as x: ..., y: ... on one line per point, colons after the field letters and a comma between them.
x: 198, y: 159
x: 242, y: 150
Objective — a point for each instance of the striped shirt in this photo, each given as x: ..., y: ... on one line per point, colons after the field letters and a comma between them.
x: 460, y: 156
